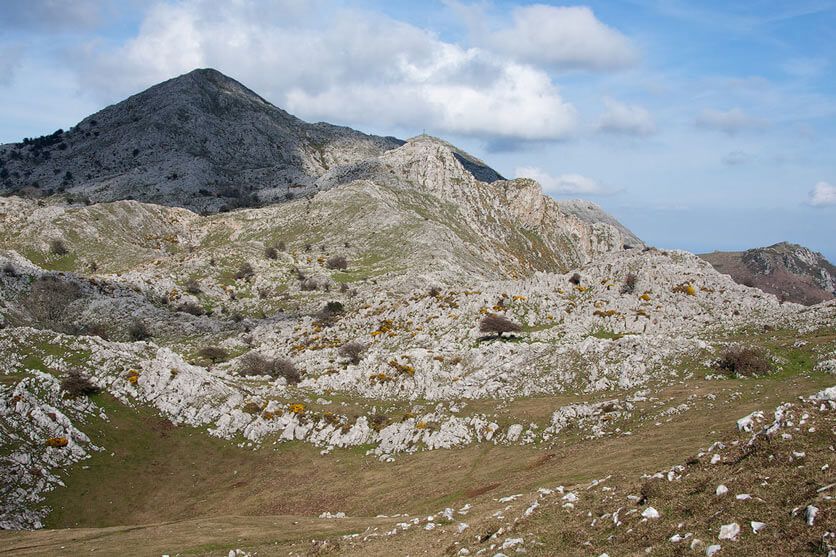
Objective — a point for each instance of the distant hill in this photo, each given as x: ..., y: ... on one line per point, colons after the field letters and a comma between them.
x: 791, y: 272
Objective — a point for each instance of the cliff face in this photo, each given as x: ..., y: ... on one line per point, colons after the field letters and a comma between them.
x: 511, y: 225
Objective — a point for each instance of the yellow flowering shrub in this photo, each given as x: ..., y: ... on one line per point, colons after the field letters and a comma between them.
x: 386, y: 326
x: 57, y: 442
x: 405, y: 369
x: 605, y: 313
x: 381, y: 377
x: 685, y: 288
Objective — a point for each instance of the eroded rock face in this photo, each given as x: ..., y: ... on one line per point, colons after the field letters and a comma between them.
x: 40, y: 436
x: 525, y: 200
x: 507, y: 222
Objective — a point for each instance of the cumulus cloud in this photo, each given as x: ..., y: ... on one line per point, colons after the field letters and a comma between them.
x: 561, y: 37
x: 359, y: 68
x: 626, y: 119
x: 565, y: 184
x: 730, y: 121
x: 823, y: 195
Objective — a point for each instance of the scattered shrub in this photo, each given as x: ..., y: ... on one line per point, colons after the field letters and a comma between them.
x: 192, y: 287
x: 337, y: 262
x: 78, y: 384
x: 96, y: 329
x: 308, y: 284
x: 330, y: 312
x: 48, y: 299
x: 744, y: 361
x: 435, y: 292
x: 352, y: 351
x: 256, y: 364
x: 192, y: 309
x: 245, y: 271
x: 138, y: 331
x: 9, y: 270
x: 630, y: 282
x: 378, y: 421
x: 252, y: 408
x: 498, y: 325
x: 57, y: 247
x: 575, y: 279
x: 270, y: 252
x: 214, y: 354
x: 57, y: 442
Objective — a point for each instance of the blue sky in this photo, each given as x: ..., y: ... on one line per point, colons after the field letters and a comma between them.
x: 701, y: 126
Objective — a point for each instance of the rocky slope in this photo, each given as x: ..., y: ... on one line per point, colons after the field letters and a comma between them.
x: 201, y: 140
x: 411, y: 213
x: 791, y: 272
x: 426, y: 377
x: 331, y: 348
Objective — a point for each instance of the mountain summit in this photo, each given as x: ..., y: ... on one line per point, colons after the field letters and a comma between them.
x: 201, y: 141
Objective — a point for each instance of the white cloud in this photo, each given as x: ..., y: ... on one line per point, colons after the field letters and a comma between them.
x: 626, y: 119
x: 359, y: 68
x: 562, y: 37
x: 730, y: 121
x: 823, y: 195
x: 565, y: 184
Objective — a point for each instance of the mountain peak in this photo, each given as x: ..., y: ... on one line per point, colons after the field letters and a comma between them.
x: 201, y: 140
x: 206, y: 85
